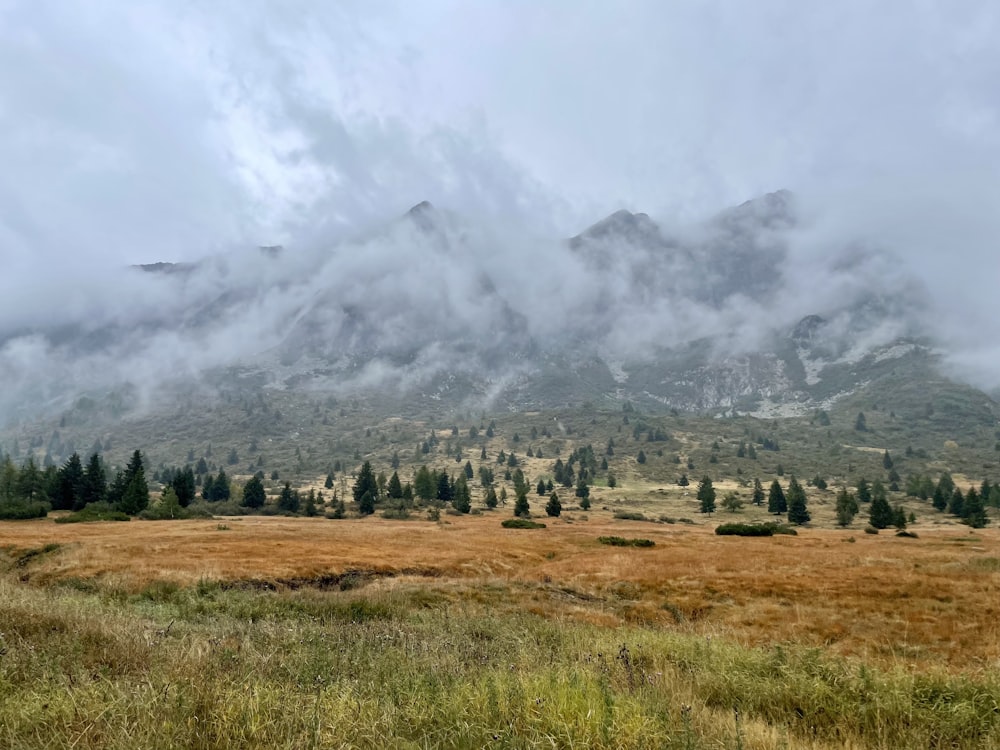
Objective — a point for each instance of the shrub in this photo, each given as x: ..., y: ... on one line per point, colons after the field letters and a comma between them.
x: 521, y: 523
x: 871, y: 530
x: 618, y: 541
x: 754, y: 529
x: 22, y: 511
x: 628, y: 515
x: 95, y: 512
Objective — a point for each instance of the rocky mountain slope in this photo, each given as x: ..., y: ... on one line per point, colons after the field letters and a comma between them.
x: 726, y: 316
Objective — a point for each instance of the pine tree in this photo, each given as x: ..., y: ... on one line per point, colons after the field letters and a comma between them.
x: 469, y: 473
x: 641, y: 458
x: 758, y: 493
x: 444, y: 488
x: 956, y: 506
x: 940, y: 501
x: 974, y: 511
x: 798, y: 513
x: 366, y: 485
x: 462, y: 500
x: 706, y: 495
x: 612, y: 480
x: 540, y: 490
x: 288, y: 500
x: 329, y: 482
x: 95, y: 483
x: 136, y: 496
x: 521, y: 506
x: 847, y: 507
x: 776, y: 502
x: 864, y: 491
x: 253, y: 493
x: 184, y: 487
x: 221, y: 492
x: 886, y: 461
x: 68, y: 493
x: 395, y: 488
x: 881, y: 514
x: 366, y: 503
x: 491, y: 498
x: 553, y: 507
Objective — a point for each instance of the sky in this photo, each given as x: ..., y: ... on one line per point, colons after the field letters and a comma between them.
x: 140, y: 131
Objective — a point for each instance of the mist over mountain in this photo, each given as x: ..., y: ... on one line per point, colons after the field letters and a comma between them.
x: 728, y: 312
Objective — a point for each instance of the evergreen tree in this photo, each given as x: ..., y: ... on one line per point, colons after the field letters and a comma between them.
x: 136, y: 496
x: 798, y: 513
x: 776, y: 502
x: 95, y: 483
x: 491, y: 498
x: 253, y: 493
x: 582, y: 490
x: 424, y: 484
x: 366, y: 485
x: 68, y: 492
x: 221, y: 492
x: 974, y: 511
x: 395, y: 488
x: 861, y: 424
x: 612, y: 480
x: 288, y: 500
x: 881, y: 515
x: 521, y: 507
x: 184, y: 487
x: 864, y: 491
x: 946, y: 484
x: 329, y: 482
x: 641, y: 458
x: 956, y: 506
x: 847, y: 507
x: 758, y: 493
x: 886, y: 461
x: 366, y: 503
x: 207, y: 487
x: 469, y: 473
x: 899, y: 518
x: 29, y: 484
x: 706, y: 495
x: 540, y: 490
x: 462, y: 500
x: 309, y: 508
x: 553, y: 507
x: 940, y: 500
x: 445, y: 492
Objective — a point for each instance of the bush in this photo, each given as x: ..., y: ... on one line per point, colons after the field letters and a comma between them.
x: 745, y: 529
x: 618, y: 541
x: 521, y: 523
x: 907, y: 534
x: 95, y: 512
x: 22, y: 511
x: 628, y: 515
x: 755, y: 529
x: 871, y: 530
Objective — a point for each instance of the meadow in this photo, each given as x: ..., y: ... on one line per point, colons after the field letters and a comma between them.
x: 299, y: 632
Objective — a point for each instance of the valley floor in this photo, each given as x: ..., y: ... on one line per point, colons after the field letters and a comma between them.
x: 295, y: 632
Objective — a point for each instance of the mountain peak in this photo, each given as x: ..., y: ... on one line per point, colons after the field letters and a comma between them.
x: 622, y: 224
x: 424, y: 215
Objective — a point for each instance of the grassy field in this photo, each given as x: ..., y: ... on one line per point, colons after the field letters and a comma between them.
x: 294, y: 632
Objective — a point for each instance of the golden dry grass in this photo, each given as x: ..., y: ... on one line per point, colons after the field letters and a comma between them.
x: 922, y: 602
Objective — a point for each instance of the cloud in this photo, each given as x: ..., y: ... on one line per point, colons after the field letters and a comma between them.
x: 156, y: 131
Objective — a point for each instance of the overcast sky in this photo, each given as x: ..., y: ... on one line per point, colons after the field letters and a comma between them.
x: 142, y: 131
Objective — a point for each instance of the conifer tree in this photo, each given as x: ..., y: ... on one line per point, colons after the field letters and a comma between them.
x: 864, y: 491
x: 706, y: 495
x: 95, y: 483
x: 288, y: 500
x: 366, y: 484
x: 798, y: 513
x: 395, y: 488
x: 974, y: 511
x: 956, y: 506
x: 758, y: 493
x: 847, y: 507
x: 540, y: 490
x: 521, y: 506
x: 462, y: 500
x: 881, y: 515
x: 184, y: 487
x: 491, y: 498
x: 553, y: 507
x: 253, y: 493
x: 776, y: 502
x: 221, y: 492
x: 68, y: 493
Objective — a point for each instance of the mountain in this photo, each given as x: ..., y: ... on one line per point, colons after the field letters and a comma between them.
x: 727, y: 316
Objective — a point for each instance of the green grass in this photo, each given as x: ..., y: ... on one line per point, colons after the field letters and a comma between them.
x: 214, y: 667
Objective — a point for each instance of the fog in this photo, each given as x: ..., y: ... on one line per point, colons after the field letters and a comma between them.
x: 136, y: 133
